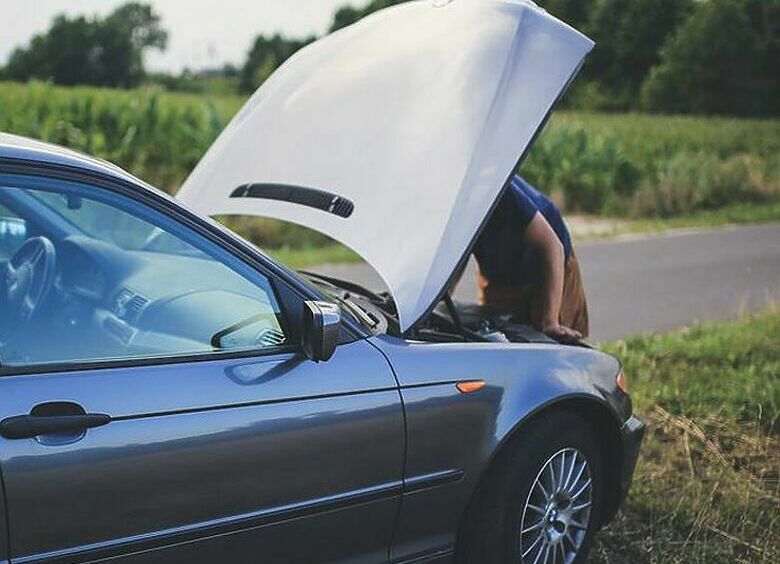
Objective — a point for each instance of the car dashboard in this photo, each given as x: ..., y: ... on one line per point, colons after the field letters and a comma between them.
x: 115, y: 303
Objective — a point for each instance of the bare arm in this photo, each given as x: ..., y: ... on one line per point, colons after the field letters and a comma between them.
x: 543, y: 238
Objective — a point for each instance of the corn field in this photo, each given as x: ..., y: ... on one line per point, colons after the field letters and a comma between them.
x: 613, y: 164
x: 655, y: 166
x: 157, y: 136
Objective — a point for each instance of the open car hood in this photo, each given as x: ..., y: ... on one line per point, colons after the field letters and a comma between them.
x: 395, y: 136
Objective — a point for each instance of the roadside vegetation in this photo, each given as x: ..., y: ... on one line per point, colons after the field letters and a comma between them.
x: 157, y: 136
x: 646, y: 166
x: 647, y: 172
x: 707, y: 488
x: 715, y: 57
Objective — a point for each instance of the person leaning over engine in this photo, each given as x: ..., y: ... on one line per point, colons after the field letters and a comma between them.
x: 527, y: 266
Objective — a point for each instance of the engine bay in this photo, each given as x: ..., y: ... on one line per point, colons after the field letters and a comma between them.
x: 448, y: 322
x: 477, y: 323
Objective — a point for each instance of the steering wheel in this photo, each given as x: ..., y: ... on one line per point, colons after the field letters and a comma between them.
x: 29, y: 276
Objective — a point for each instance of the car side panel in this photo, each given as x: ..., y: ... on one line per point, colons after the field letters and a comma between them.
x: 325, y: 538
x: 448, y: 431
x: 240, y: 455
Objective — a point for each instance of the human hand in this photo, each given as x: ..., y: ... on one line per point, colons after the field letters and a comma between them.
x: 561, y: 332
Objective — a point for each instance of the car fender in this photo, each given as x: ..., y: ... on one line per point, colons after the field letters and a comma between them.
x: 452, y: 437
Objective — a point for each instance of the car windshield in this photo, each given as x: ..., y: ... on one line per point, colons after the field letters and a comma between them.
x: 101, y: 221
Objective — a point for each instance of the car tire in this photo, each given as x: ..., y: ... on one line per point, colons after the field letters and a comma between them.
x: 558, y: 440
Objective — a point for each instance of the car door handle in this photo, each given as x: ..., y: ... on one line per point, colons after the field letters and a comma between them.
x: 29, y: 426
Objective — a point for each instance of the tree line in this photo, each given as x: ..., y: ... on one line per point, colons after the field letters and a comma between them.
x: 671, y: 56
x: 98, y: 51
x: 678, y: 56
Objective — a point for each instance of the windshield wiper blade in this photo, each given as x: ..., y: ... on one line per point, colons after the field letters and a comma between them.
x: 340, y: 291
x: 358, y: 311
x: 346, y: 285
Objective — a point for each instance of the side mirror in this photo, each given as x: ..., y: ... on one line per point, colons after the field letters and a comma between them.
x: 13, y: 232
x: 321, y: 329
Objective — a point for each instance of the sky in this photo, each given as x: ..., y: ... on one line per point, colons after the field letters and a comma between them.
x: 202, y: 33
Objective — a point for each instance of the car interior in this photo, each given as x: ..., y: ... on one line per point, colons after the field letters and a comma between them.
x: 95, y: 281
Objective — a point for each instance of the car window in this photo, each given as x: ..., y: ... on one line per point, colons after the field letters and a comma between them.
x: 108, y: 278
x: 108, y: 223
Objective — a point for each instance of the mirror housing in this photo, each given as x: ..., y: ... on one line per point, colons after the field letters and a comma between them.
x: 321, y: 329
x: 13, y: 232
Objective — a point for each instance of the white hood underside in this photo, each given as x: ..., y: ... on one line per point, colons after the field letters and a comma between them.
x: 416, y: 115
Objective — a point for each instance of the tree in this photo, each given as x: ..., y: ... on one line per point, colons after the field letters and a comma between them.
x: 103, y: 52
x: 573, y: 12
x: 62, y: 54
x: 124, y: 35
x: 347, y: 15
x: 711, y: 65
x: 628, y: 36
x: 344, y: 16
x: 764, y: 17
x: 268, y: 53
x: 265, y: 56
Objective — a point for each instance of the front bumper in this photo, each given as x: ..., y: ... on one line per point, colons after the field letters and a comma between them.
x: 631, y: 434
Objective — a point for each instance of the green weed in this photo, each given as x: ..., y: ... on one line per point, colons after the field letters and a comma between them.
x: 707, y: 488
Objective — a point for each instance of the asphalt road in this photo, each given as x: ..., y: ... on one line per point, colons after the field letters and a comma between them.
x: 649, y: 284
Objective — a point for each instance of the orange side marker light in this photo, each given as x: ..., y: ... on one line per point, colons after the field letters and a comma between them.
x: 470, y: 386
x: 622, y: 383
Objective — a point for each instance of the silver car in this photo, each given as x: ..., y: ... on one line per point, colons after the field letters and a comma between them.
x: 169, y: 393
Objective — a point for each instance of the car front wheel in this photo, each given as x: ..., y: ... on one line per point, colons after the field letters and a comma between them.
x: 540, y: 502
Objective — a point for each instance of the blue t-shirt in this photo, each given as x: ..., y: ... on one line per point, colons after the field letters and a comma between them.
x: 501, y: 251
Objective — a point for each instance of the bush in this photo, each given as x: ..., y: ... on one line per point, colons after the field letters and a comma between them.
x: 642, y: 166
x: 701, y: 181
x: 587, y: 173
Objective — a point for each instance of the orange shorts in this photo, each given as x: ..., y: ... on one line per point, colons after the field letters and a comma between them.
x: 524, y: 302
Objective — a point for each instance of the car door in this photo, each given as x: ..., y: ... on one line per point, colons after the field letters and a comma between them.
x: 128, y: 434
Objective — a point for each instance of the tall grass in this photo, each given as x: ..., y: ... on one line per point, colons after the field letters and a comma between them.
x: 707, y: 487
x: 654, y: 166
x: 626, y: 165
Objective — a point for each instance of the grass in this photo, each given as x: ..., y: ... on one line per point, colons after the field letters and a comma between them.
x: 707, y: 487
x: 311, y: 256
x: 645, y: 137
x: 589, y: 227
x: 732, y: 214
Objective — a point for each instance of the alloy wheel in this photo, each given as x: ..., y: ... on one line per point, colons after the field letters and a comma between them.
x: 557, y: 511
